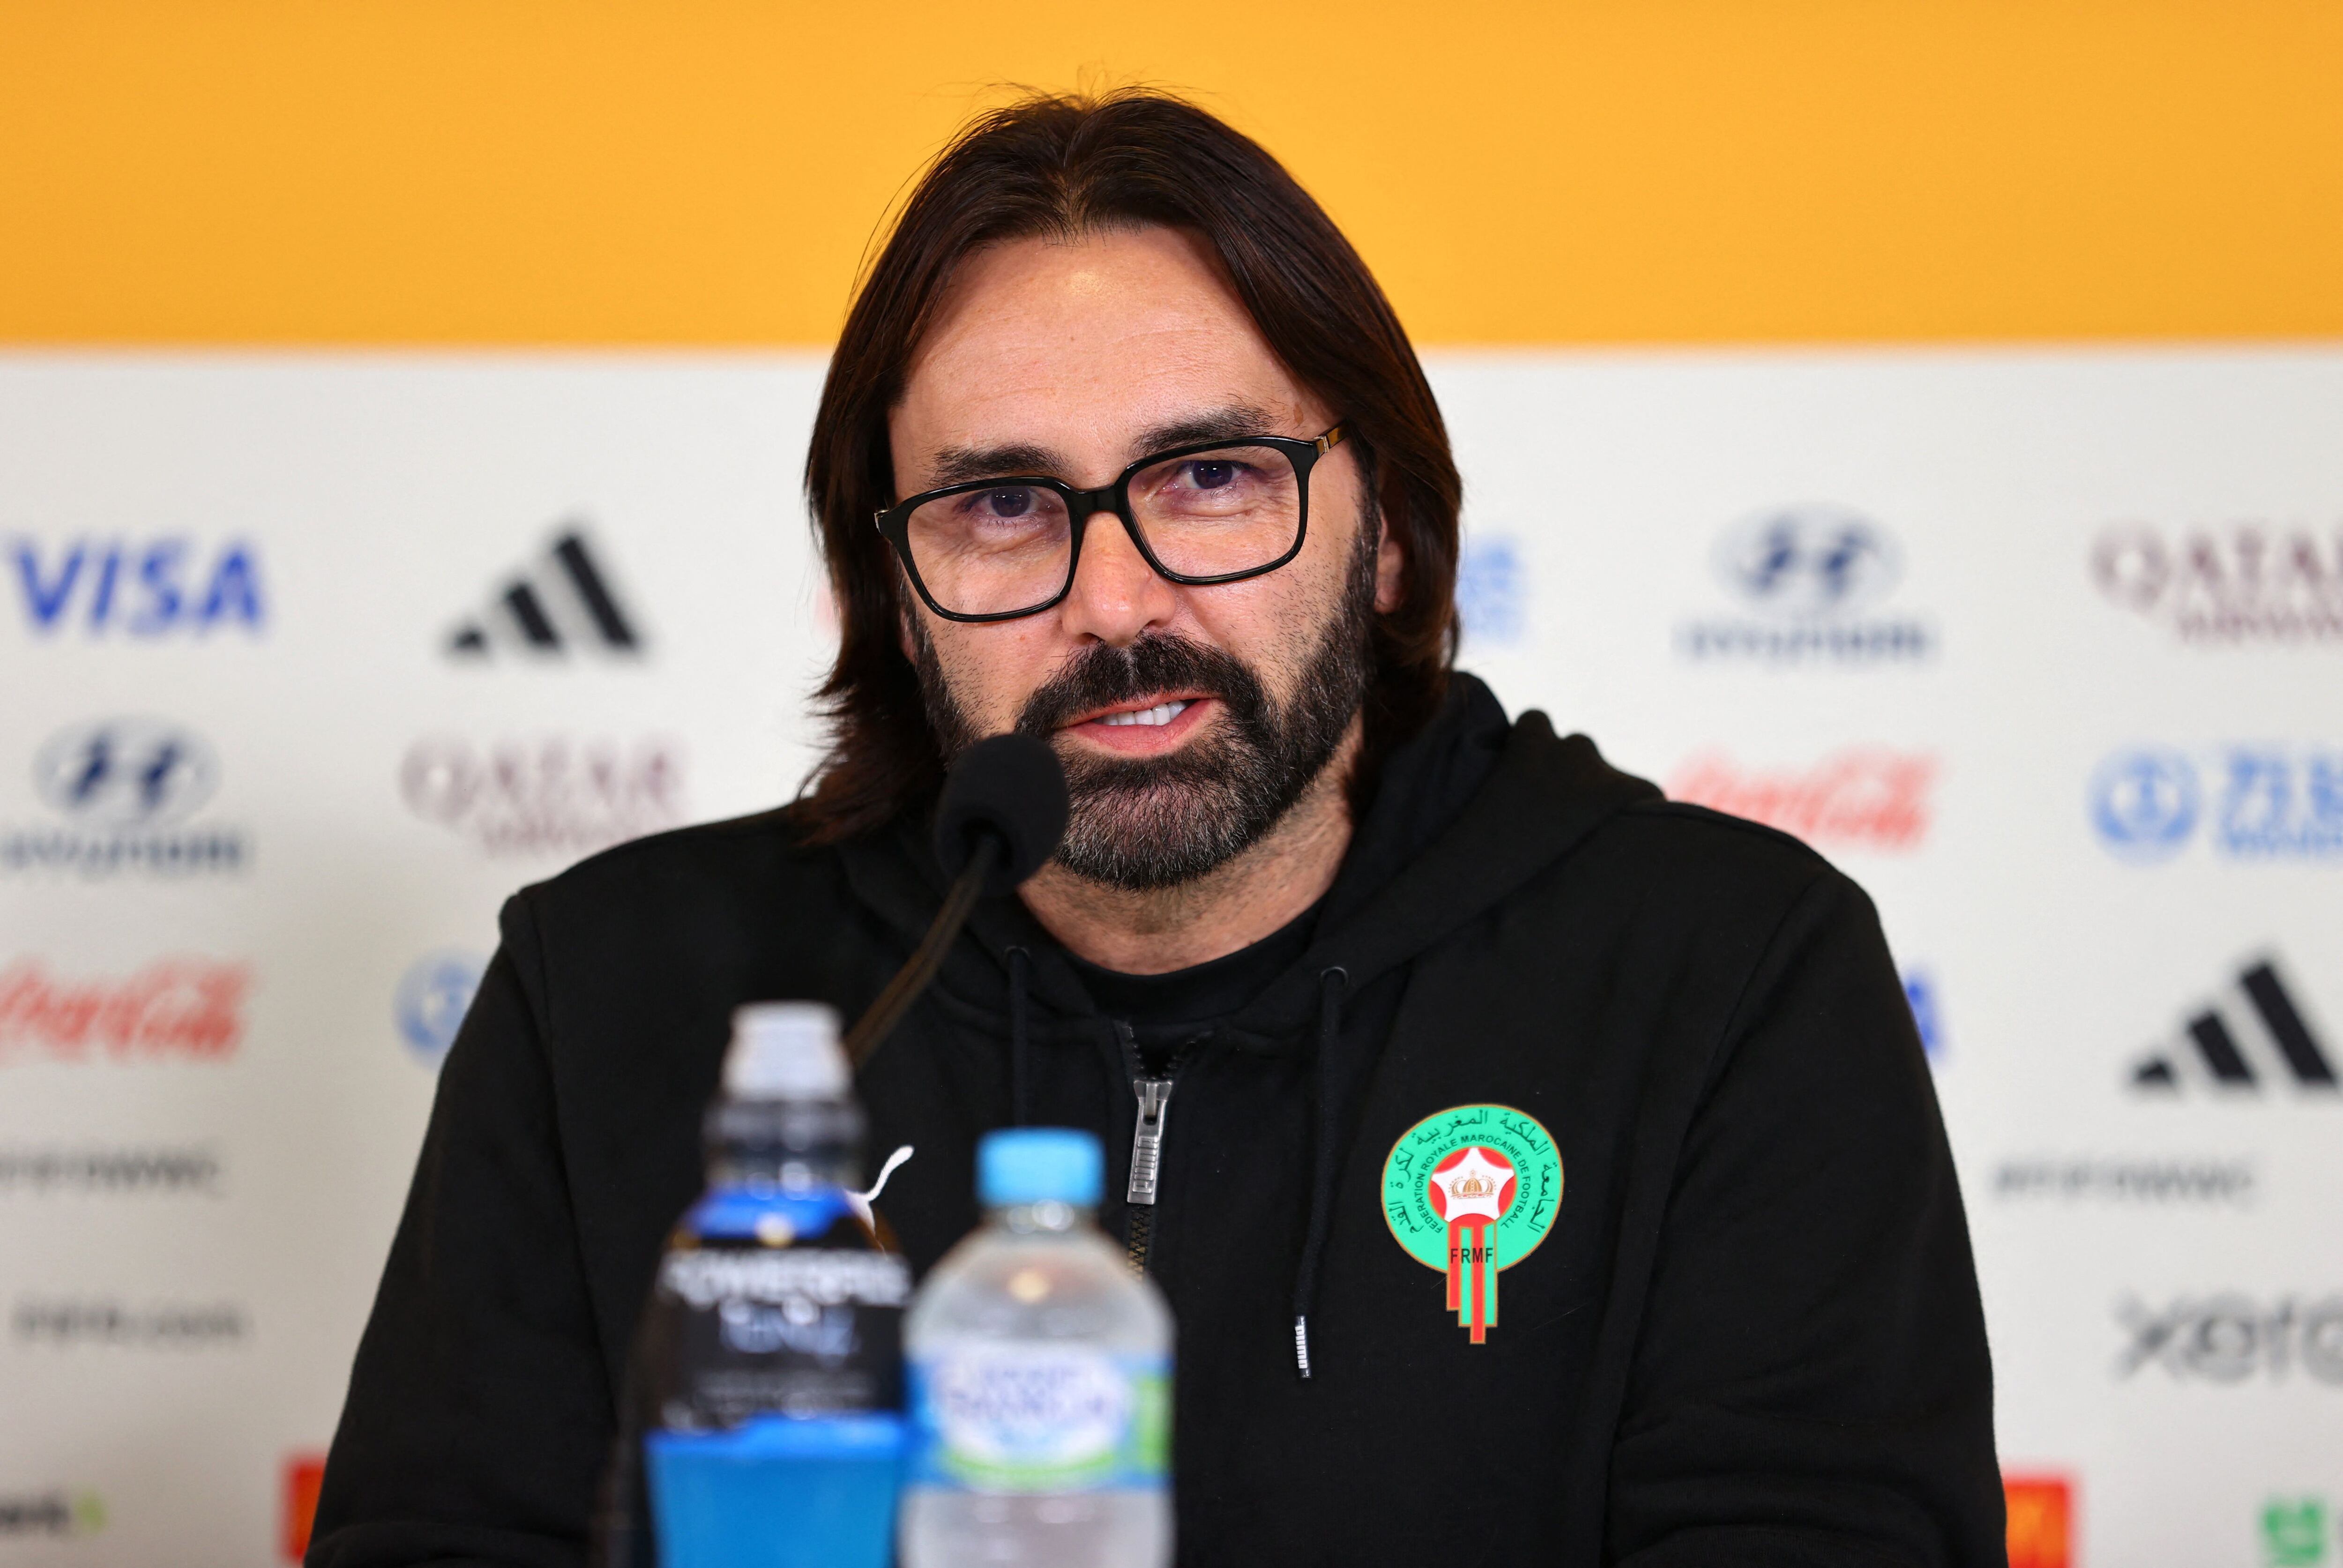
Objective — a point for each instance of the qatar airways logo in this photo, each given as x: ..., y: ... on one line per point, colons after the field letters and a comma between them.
x: 1863, y: 798
x: 544, y: 795
x: 182, y: 1009
x: 2227, y: 584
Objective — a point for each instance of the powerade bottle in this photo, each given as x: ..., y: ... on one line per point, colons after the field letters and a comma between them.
x: 771, y: 1352
x: 1040, y: 1380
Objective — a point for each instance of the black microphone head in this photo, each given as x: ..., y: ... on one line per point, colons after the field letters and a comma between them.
x: 1009, y: 786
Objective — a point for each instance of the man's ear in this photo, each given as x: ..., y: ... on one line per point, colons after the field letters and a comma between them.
x: 1391, y: 568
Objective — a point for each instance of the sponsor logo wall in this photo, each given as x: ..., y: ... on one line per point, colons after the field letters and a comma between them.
x: 2252, y: 801
x: 2231, y: 582
x: 120, y: 791
x: 1807, y: 578
x: 137, y: 588
x: 2041, y: 1515
x: 283, y: 735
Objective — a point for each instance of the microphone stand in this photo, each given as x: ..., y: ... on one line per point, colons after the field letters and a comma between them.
x: 1008, y: 797
x: 622, y: 1520
x: 879, y: 1019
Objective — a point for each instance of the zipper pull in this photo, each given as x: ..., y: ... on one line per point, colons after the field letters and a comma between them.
x: 1147, y: 1138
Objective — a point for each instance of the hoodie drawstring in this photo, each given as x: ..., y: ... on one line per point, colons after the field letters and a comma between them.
x: 1331, y: 983
x: 1020, y: 1037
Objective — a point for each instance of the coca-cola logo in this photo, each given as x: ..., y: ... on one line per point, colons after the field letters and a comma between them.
x: 548, y: 795
x: 174, y: 1009
x: 1866, y: 797
x: 2243, y: 582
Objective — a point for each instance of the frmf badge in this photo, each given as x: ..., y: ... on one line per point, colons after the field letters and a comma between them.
x: 1471, y: 1192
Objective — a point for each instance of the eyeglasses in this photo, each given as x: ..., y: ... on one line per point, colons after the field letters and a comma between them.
x: 1216, y: 512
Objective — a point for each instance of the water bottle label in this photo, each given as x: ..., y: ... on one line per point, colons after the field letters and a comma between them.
x: 1040, y: 1418
x: 773, y: 1302
x: 748, y: 1278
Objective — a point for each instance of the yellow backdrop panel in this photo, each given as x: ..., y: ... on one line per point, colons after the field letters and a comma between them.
x: 511, y: 171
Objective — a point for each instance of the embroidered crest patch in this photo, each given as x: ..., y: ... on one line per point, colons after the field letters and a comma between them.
x: 1469, y: 1191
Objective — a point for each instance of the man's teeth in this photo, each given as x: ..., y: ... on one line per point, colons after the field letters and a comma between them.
x: 1162, y: 713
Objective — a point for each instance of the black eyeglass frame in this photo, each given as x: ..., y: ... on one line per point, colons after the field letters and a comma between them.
x: 894, y: 522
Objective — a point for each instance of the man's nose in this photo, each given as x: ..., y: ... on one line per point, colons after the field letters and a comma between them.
x: 1116, y: 596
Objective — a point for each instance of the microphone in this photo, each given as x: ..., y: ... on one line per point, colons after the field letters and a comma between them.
x: 1003, y: 811
x: 1006, y: 796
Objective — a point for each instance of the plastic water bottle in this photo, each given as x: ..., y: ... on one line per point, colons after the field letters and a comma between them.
x: 1040, y: 1380
x: 770, y: 1358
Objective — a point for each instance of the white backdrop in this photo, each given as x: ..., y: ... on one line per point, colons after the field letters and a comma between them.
x: 2043, y: 647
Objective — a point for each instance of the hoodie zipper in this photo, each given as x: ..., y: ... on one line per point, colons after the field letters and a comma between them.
x: 1154, y: 1095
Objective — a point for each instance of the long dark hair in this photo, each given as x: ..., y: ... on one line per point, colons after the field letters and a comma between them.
x: 1059, y: 167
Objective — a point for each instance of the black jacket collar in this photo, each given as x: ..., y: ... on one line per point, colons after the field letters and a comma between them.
x: 1467, y: 812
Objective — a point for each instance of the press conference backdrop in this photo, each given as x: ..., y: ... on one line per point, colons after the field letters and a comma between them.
x: 335, y: 605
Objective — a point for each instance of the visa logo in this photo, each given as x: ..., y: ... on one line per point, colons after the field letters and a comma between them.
x: 144, y: 590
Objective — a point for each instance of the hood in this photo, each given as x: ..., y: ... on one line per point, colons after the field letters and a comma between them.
x: 1464, y: 813
x: 1467, y: 812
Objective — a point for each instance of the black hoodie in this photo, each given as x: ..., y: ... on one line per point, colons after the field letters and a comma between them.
x: 1750, y: 1332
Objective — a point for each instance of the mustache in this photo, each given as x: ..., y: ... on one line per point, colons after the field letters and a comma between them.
x: 1103, y: 675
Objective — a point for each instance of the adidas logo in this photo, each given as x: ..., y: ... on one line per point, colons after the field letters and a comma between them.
x: 2271, y: 1043
x: 563, y: 601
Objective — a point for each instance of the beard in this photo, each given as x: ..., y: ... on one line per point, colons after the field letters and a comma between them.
x: 1147, y: 823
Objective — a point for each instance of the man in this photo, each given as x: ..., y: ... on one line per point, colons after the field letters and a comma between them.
x: 1122, y: 447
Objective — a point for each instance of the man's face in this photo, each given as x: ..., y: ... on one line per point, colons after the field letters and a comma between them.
x: 1189, y: 719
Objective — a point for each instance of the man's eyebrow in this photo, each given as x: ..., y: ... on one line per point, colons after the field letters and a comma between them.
x: 1217, y: 425
x: 965, y: 465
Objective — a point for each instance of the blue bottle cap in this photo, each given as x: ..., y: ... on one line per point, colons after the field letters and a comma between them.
x: 1039, y: 1165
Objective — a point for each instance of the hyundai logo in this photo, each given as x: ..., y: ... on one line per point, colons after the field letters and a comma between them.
x: 1802, y: 562
x: 2145, y: 803
x: 125, y: 772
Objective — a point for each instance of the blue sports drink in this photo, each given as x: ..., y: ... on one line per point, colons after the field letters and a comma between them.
x: 771, y: 1352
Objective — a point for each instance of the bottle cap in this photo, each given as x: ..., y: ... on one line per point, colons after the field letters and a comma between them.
x: 785, y: 1050
x: 1039, y: 1165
